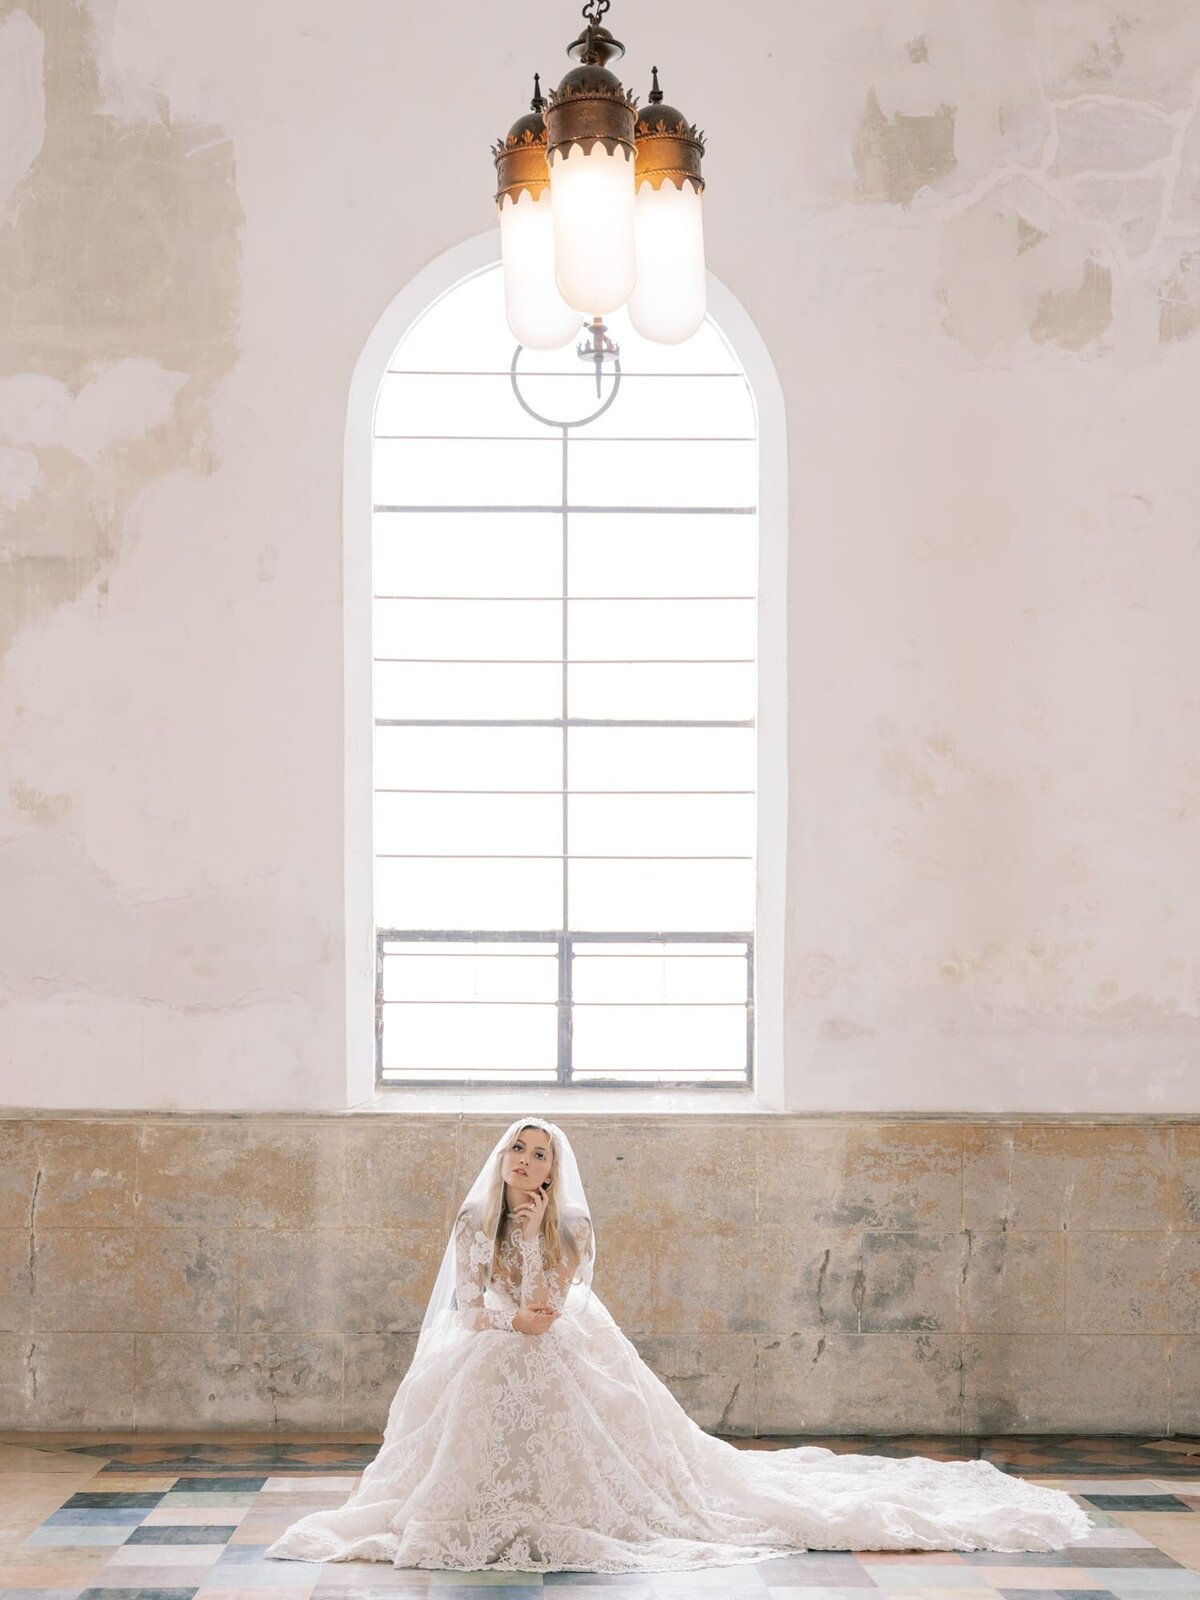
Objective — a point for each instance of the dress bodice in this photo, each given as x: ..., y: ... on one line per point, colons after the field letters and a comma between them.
x: 487, y: 1294
x: 516, y: 1260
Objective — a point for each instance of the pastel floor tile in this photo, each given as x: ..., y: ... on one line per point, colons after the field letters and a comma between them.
x: 1143, y: 1581
x: 442, y: 1580
x: 402, y: 1587
x: 176, y: 1516
x: 16, y: 1530
x: 264, y: 1573
x: 141, y: 1578
x: 188, y: 1498
x: 1060, y: 1594
x: 1021, y: 1558
x: 598, y: 1581
x: 17, y: 1575
x: 11, y: 1539
x: 77, y: 1538
x: 295, y: 1505
x: 830, y: 1558
x: 1176, y: 1536
x: 206, y: 1534
x: 307, y: 1485
x: 1130, y: 1557
x: 361, y: 1586
x: 138, y: 1594
x: 524, y: 1590
x: 801, y: 1592
x: 40, y: 1491
x: 1122, y: 1486
x: 835, y: 1582
x: 922, y: 1575
x: 1043, y: 1578
x: 832, y: 1568
x: 210, y: 1593
x: 40, y: 1594
x: 366, y: 1579
x: 1114, y: 1536
x: 927, y: 1558
x: 131, y: 1482
x: 26, y: 1458
x: 219, y: 1483
x: 745, y: 1581
x: 1189, y: 1559
x: 636, y: 1589
x: 591, y: 1586
x: 1135, y: 1502
x: 169, y: 1555
x: 358, y: 1583
x: 262, y: 1532
x: 125, y: 1502
x: 96, y: 1516
x: 27, y: 1557
x: 479, y: 1591
x: 254, y: 1580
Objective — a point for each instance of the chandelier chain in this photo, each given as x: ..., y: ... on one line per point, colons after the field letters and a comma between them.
x: 594, y: 10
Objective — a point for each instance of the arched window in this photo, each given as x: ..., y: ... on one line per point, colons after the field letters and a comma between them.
x: 565, y: 640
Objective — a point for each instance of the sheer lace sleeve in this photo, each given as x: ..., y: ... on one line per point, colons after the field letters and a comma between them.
x: 577, y: 1247
x: 473, y: 1252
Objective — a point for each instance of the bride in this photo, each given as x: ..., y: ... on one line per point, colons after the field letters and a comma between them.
x: 528, y: 1434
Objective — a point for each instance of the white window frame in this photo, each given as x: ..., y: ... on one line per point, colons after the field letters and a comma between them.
x: 768, y: 1092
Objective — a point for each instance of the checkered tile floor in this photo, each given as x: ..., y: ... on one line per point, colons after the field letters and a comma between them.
x: 85, y: 1519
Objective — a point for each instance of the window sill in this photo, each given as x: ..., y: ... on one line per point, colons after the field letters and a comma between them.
x: 553, y: 1101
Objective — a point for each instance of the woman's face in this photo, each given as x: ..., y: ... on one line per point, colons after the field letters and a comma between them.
x: 529, y: 1159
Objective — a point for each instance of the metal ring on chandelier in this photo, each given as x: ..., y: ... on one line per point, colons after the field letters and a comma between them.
x: 552, y: 422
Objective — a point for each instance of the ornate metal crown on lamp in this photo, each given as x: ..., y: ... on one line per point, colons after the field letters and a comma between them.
x: 600, y: 207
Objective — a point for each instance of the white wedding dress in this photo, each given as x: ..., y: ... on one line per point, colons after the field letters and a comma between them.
x: 563, y: 1452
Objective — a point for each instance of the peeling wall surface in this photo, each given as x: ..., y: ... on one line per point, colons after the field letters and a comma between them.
x: 909, y: 1277
x: 970, y: 238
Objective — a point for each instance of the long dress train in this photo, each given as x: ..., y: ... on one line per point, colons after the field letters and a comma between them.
x: 564, y: 1452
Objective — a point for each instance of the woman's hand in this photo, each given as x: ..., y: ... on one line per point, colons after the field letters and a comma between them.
x: 537, y: 1317
x: 531, y: 1211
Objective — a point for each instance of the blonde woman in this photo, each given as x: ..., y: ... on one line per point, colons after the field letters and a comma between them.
x: 528, y: 1434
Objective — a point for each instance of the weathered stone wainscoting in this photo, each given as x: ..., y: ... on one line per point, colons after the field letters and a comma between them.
x: 783, y: 1274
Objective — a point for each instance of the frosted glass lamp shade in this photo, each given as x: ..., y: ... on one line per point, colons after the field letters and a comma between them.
x: 593, y: 206
x: 670, y: 297
x: 538, y: 316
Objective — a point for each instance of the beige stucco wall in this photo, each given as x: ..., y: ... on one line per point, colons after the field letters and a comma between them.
x: 793, y: 1275
x: 970, y: 238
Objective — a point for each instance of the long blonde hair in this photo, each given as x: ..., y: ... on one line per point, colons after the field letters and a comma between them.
x: 493, y: 1203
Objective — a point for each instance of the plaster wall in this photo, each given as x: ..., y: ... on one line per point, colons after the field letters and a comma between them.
x: 970, y: 238
x: 799, y: 1275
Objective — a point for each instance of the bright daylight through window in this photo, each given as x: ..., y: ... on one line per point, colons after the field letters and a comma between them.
x: 565, y: 748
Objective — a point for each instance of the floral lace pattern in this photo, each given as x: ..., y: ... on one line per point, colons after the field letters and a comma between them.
x: 521, y: 1276
x: 563, y: 1452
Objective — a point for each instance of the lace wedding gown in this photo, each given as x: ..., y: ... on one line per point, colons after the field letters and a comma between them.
x: 563, y: 1452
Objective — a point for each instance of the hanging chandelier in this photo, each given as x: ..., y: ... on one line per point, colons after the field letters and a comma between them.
x: 600, y: 205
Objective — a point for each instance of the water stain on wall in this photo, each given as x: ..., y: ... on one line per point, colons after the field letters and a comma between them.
x: 1074, y: 317
x: 119, y: 286
x: 897, y: 157
x: 1179, y: 300
x: 1015, y: 267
